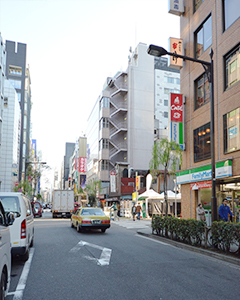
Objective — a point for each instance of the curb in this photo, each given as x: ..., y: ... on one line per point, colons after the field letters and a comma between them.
x: 211, y: 253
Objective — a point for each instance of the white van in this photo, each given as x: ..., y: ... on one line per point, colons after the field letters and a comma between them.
x: 5, y: 252
x: 22, y: 230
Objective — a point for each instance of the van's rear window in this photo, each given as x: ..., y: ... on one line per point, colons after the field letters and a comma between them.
x: 11, y: 204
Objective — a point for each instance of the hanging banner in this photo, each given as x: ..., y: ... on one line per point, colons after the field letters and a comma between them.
x: 82, y: 164
x: 175, y: 46
x: 176, y: 119
x: 113, y: 181
x: 83, y: 181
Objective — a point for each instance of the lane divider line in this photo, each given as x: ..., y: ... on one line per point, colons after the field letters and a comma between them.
x: 18, y: 294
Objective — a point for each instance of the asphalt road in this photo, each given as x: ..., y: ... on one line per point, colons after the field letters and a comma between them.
x: 118, y: 264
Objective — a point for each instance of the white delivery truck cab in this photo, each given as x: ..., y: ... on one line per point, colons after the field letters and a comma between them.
x: 62, y: 203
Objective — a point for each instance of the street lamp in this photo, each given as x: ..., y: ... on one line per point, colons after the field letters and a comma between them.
x: 208, y: 67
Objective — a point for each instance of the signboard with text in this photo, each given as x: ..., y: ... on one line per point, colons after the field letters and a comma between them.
x: 82, y: 164
x: 176, y: 7
x: 176, y: 119
x: 113, y: 181
x: 175, y: 46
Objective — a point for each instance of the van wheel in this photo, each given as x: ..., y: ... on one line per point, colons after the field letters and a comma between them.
x: 25, y: 256
x: 3, y: 285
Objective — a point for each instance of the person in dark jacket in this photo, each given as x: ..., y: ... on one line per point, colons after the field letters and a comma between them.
x: 134, y: 211
x: 224, y: 211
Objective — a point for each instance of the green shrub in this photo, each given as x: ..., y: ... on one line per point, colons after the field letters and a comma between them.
x: 223, y: 234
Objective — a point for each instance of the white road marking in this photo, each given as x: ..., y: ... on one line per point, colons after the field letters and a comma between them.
x: 18, y: 294
x: 145, y: 237
x: 105, y: 257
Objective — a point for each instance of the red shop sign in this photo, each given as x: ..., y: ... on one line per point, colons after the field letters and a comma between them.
x: 201, y: 185
x: 176, y: 107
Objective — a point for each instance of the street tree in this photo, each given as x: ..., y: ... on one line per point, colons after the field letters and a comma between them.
x: 92, y: 189
x: 25, y: 188
x: 167, y: 156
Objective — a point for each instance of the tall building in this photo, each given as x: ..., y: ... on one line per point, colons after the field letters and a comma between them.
x: 167, y: 80
x: 121, y: 119
x: 122, y: 126
x: 10, y: 139
x: 2, y: 77
x: 205, y: 25
x: 69, y: 147
x: 17, y: 72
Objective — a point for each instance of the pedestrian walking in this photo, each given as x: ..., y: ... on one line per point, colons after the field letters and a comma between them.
x: 134, y: 211
x: 200, y: 213
x: 115, y: 211
x: 224, y: 210
x: 118, y: 209
x: 138, y: 211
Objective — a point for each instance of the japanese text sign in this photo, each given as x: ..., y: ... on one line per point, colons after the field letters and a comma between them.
x: 83, y: 164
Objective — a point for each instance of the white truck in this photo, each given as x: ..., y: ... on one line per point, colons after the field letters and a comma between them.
x: 62, y: 203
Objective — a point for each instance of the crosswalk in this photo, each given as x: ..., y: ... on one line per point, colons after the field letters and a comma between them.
x: 130, y: 224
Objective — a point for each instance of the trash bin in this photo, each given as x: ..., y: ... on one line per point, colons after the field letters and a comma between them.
x: 208, y: 215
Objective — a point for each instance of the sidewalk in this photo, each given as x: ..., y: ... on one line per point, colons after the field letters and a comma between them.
x: 227, y: 258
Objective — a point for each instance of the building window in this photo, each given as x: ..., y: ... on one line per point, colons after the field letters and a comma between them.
x: 232, y: 67
x: 15, y: 83
x: 104, y: 123
x: 203, y: 37
x: 168, y: 79
x: 103, y: 144
x: 19, y: 97
x: 177, y: 80
x: 13, y: 70
x: 168, y: 91
x: 104, y: 102
x: 231, y: 12
x: 231, y: 126
x: 197, y: 3
x: 165, y: 102
x: 5, y: 103
x: 165, y: 114
x: 104, y: 165
x: 202, y: 91
x: 202, y: 143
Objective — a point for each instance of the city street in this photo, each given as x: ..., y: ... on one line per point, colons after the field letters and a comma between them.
x: 118, y: 264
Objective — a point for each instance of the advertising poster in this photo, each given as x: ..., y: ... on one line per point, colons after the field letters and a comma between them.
x: 83, y: 181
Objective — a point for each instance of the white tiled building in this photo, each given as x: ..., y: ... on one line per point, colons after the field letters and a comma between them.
x: 11, y: 124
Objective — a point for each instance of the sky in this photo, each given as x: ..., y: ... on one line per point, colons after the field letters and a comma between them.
x: 72, y: 47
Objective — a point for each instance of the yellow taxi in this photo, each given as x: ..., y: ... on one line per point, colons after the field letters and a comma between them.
x: 90, y: 218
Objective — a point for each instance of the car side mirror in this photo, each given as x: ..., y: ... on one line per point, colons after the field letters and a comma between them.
x: 10, y: 218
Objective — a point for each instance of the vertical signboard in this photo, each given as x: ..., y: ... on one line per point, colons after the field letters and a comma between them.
x: 175, y: 46
x: 137, y: 183
x: 83, y: 181
x: 34, y: 147
x: 82, y: 164
x: 113, y: 181
x: 176, y: 7
x: 176, y: 119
